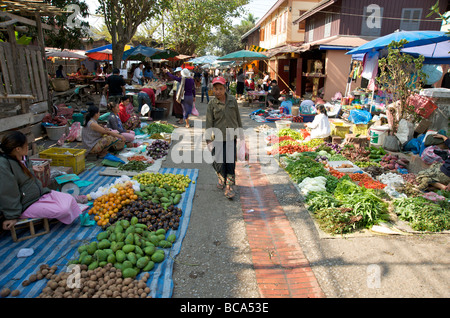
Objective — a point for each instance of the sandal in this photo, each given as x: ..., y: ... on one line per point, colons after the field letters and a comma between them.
x: 229, y: 193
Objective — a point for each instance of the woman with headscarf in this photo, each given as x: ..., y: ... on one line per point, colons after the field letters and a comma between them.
x: 186, y: 92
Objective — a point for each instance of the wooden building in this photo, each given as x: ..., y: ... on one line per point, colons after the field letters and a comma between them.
x: 335, y: 26
x: 24, y: 90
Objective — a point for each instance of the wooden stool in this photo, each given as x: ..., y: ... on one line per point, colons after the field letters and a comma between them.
x: 29, y: 222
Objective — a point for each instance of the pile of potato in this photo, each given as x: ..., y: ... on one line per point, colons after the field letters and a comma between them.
x: 102, y: 282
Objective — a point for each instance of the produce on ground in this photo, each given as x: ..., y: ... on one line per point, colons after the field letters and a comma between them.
x: 376, y: 154
x: 289, y: 149
x: 313, y: 143
x: 355, y: 153
x: 423, y: 214
x: 154, y: 215
x: 294, y: 134
x: 274, y: 139
x: 177, y: 181
x: 158, y: 149
x: 108, y: 205
x: 157, y: 128
x: 139, y: 158
x: 106, y: 282
x: 393, y: 162
x: 134, y: 166
x: 165, y: 195
x: 366, y: 164
x: 128, y: 246
x: 304, y: 167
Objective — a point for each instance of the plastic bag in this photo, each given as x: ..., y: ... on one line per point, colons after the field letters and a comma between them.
x: 358, y: 116
x: 423, y: 105
x: 194, y: 111
x: 391, y: 143
x: 405, y: 131
x: 288, y: 106
x: 103, y: 101
x: 75, y: 130
x: 243, y: 152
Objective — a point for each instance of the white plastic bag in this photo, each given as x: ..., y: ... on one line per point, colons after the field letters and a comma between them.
x: 405, y: 131
x: 103, y: 101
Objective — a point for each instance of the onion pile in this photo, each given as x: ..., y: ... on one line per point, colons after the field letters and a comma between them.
x: 158, y: 149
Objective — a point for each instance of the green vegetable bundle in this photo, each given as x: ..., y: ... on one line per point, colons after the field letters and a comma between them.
x: 422, y: 214
x: 134, y: 166
x: 304, y: 167
x: 157, y: 128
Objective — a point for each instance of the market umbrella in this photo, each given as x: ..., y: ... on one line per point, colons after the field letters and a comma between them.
x: 106, y: 47
x: 207, y: 59
x: 414, y: 38
x: 65, y: 54
x: 165, y: 54
x: 435, y: 53
x: 140, y: 52
x: 243, y: 55
x: 103, y: 55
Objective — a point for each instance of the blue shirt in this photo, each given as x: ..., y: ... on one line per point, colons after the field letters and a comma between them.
x: 148, y: 74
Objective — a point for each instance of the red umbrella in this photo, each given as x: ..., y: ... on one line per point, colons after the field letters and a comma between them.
x: 104, y: 55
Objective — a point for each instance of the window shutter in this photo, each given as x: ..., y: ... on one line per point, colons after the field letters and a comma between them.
x: 411, y: 19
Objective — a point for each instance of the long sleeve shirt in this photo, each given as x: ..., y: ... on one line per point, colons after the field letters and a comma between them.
x: 189, y: 85
x: 115, y: 123
x: 17, y: 190
x: 123, y: 113
x: 222, y: 116
x: 320, y: 126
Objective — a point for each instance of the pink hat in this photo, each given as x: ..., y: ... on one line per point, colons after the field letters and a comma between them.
x: 219, y: 80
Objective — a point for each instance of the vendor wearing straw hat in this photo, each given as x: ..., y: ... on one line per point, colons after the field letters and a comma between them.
x: 222, y: 119
x: 186, y: 92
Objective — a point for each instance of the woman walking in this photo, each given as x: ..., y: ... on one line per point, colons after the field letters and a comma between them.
x: 186, y: 92
x: 240, y: 79
x: 223, y: 115
x: 177, y: 109
x: 22, y: 194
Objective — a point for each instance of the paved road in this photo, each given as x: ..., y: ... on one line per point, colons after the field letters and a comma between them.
x: 219, y: 258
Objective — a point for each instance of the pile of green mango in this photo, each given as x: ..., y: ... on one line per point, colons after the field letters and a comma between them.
x: 165, y: 196
x: 128, y: 245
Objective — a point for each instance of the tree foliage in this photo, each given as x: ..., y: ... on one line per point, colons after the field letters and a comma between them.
x: 400, y: 74
x: 123, y: 17
x: 71, y: 29
x: 188, y: 24
x: 229, y: 40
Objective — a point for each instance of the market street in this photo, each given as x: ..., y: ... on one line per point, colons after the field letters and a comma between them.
x: 218, y: 258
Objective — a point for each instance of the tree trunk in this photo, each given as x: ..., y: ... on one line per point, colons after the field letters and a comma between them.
x: 118, y: 50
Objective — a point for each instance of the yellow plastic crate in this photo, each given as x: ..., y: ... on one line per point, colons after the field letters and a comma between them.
x: 361, y: 129
x: 61, y: 157
x: 339, y: 129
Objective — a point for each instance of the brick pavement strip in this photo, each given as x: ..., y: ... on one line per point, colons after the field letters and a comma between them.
x: 281, y: 268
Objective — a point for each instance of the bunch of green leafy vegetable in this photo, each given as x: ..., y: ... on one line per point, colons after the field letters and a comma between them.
x: 304, y: 167
x: 317, y: 200
x: 336, y: 220
x: 157, y: 128
x: 422, y: 214
x: 368, y: 205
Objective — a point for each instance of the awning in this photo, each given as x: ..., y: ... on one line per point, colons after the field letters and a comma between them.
x: 289, y: 48
x: 318, y: 7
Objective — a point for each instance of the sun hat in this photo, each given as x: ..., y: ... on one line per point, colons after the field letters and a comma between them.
x: 178, y: 69
x: 219, y: 80
x: 185, y: 72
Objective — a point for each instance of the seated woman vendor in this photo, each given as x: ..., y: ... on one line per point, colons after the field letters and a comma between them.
x: 22, y: 194
x: 115, y: 123
x: 438, y: 175
x: 97, y: 139
x: 320, y: 127
x: 127, y: 115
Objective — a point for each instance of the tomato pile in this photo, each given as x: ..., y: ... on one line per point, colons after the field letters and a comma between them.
x: 289, y: 149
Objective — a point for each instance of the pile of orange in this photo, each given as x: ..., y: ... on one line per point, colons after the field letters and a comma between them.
x: 108, y: 205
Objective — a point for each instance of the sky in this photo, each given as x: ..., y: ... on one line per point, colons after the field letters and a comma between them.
x: 257, y: 7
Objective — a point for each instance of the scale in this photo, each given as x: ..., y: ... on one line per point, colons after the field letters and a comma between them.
x: 68, y: 185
